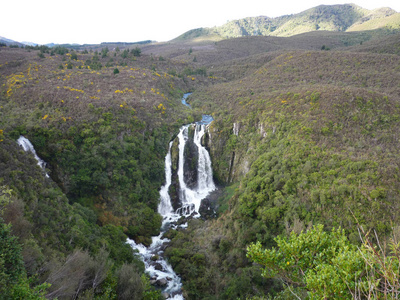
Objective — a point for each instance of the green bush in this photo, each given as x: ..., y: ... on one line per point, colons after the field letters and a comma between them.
x: 136, y: 52
x: 326, y: 266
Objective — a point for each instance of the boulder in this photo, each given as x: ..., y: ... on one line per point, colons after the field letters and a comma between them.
x: 162, y: 282
x: 158, y: 266
x: 155, y: 257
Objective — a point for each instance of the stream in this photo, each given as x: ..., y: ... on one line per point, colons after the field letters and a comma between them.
x: 161, y: 273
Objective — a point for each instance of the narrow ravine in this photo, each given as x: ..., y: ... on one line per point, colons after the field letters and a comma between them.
x: 161, y: 273
x: 28, y: 147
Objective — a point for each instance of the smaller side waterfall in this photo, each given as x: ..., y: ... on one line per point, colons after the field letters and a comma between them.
x: 28, y: 147
x: 165, y: 207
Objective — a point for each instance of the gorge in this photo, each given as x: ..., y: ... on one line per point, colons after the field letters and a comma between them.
x: 188, y: 179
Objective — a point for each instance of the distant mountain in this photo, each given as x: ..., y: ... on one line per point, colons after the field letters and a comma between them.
x: 344, y: 17
x: 29, y: 44
x: 9, y: 42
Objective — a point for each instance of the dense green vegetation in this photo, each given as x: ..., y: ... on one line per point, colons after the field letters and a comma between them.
x: 324, y: 265
x: 104, y: 136
x: 308, y: 145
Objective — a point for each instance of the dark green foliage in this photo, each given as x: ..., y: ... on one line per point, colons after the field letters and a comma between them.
x: 104, y: 52
x: 199, y: 71
x: 11, y: 263
x: 116, y: 71
x: 220, y: 272
x: 74, y: 56
x: 13, y: 281
x: 136, y: 52
x: 125, y: 53
x: 60, y: 50
x: 94, y: 63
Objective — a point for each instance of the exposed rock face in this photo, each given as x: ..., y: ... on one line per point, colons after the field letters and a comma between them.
x: 230, y: 158
x: 207, y: 210
x: 191, y: 155
x: 174, y: 187
x: 221, y: 157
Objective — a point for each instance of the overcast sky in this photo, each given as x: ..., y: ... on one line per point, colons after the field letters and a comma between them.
x: 87, y: 21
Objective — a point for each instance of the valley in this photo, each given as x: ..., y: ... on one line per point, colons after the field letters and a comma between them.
x: 304, y: 139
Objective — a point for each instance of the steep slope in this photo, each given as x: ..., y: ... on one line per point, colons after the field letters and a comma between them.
x: 102, y: 123
x: 307, y: 138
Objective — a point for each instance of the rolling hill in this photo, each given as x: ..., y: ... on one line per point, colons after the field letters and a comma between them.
x: 346, y: 17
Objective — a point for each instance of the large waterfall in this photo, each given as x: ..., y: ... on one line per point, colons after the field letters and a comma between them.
x: 191, y: 198
x: 160, y: 271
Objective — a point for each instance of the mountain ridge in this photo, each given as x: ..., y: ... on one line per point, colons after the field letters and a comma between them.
x: 341, y: 17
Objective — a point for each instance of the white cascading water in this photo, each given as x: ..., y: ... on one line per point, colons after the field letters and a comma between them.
x: 205, y: 180
x: 166, y: 277
x: 28, y: 147
x: 165, y: 207
x: 190, y: 200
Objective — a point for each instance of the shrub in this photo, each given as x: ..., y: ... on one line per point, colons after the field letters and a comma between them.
x: 116, y: 71
x: 326, y: 266
x: 137, y: 51
x: 74, y: 56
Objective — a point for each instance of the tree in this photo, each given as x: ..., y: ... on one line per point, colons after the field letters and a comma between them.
x: 74, y: 56
x: 116, y: 71
x: 136, y: 52
x: 13, y: 281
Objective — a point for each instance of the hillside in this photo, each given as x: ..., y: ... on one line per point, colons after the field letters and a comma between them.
x: 346, y: 17
x: 305, y: 133
x: 307, y: 138
x: 102, y: 123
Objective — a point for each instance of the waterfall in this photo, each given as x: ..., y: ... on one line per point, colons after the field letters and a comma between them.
x: 28, y: 147
x: 205, y: 180
x: 191, y: 198
x: 165, y: 206
x: 161, y: 273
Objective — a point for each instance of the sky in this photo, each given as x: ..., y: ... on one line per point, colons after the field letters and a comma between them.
x: 92, y: 22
